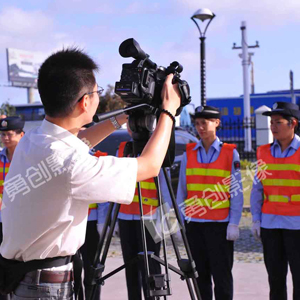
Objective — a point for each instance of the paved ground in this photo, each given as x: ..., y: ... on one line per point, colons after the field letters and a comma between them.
x: 250, y: 283
x: 247, y: 249
x: 250, y: 277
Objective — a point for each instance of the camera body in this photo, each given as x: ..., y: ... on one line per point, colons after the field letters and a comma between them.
x: 142, y: 81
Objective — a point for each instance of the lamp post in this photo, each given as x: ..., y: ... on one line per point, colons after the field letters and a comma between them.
x: 203, y: 14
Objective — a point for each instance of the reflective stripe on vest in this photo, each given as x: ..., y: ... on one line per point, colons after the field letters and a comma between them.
x: 93, y: 206
x: 280, y: 178
x: 208, y: 185
x: 2, y: 166
x: 148, y: 192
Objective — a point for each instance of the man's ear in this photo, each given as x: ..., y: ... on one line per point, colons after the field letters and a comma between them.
x: 84, y: 103
x: 295, y: 122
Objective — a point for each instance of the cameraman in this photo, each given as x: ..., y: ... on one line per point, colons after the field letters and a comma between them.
x: 53, y: 179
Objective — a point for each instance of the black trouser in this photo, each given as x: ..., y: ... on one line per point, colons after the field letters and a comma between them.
x: 213, y: 256
x: 131, y: 243
x: 88, y: 252
x: 282, y: 247
x: 2, y: 297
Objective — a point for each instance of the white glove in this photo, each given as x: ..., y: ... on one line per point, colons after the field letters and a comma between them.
x: 233, y: 232
x: 256, y: 230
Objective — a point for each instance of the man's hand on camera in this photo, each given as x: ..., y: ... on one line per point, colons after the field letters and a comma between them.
x: 170, y: 95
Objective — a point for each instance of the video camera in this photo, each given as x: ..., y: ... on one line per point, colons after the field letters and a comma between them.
x: 141, y: 85
x: 142, y: 81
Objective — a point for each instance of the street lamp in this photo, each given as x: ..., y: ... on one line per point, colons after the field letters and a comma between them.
x: 203, y: 14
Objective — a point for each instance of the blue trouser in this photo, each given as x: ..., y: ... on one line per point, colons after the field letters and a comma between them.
x: 43, y: 291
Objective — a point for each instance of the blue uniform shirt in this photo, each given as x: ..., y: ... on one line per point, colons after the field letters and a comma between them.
x: 236, y: 193
x: 102, y: 211
x: 4, y: 159
x: 270, y: 221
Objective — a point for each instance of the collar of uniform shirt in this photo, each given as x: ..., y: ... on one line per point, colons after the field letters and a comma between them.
x: 215, y: 144
x: 294, y: 144
x: 62, y: 134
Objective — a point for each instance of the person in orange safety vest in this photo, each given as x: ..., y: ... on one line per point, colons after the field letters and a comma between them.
x: 11, y: 129
x: 210, y: 197
x: 130, y: 229
x: 275, y: 200
x: 92, y: 237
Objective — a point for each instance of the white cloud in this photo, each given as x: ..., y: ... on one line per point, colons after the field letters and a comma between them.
x: 17, y: 22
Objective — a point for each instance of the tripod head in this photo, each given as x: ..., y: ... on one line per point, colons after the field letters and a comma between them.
x: 142, y: 122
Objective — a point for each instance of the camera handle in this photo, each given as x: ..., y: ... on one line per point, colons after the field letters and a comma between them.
x: 102, y: 117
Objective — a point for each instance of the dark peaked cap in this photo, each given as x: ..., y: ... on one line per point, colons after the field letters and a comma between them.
x: 207, y: 112
x: 11, y: 123
x: 284, y: 109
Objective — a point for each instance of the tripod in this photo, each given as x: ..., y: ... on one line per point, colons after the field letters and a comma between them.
x: 158, y: 285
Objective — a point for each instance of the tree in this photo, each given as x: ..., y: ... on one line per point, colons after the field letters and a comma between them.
x: 7, y: 109
x: 110, y: 101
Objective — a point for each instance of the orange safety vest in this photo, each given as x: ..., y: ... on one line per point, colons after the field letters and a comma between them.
x: 148, y: 191
x: 208, y: 184
x: 280, y: 178
x: 98, y: 153
x: 2, y: 177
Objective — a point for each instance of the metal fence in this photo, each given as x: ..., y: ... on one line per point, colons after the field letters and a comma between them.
x: 232, y: 131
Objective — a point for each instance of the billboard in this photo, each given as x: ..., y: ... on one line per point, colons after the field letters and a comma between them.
x: 23, y: 67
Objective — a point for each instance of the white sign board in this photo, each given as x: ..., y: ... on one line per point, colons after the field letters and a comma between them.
x: 23, y: 67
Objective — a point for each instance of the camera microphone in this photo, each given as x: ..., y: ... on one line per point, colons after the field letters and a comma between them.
x: 131, y: 48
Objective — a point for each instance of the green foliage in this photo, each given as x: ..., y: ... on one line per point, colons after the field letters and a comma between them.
x: 110, y: 101
x: 7, y: 109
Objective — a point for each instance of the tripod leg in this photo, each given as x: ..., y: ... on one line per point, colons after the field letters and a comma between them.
x: 161, y: 214
x: 97, y: 269
x: 178, y: 256
x: 110, y: 234
x: 184, y: 238
x: 144, y: 240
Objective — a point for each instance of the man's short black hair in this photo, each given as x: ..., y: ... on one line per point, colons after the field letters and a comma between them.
x: 64, y: 77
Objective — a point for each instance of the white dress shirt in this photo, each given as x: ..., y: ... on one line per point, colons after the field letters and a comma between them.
x: 51, y: 182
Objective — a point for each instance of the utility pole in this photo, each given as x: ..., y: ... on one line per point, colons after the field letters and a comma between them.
x: 30, y: 95
x: 252, y: 78
x: 245, y: 65
x: 292, y: 87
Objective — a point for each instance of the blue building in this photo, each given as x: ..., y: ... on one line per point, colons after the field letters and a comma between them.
x: 232, y: 108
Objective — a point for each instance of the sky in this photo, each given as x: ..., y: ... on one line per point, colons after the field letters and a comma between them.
x: 165, y: 31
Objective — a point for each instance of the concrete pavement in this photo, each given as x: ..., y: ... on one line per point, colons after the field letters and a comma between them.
x: 250, y: 282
